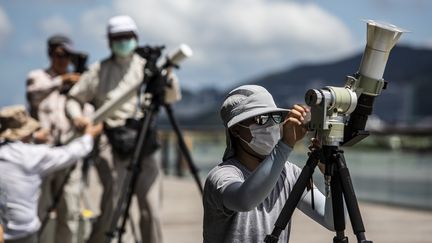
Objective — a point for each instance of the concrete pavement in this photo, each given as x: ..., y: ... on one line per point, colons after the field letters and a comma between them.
x: 182, y: 220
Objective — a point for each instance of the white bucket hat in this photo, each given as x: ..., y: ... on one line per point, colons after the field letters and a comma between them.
x: 121, y: 24
x: 243, y: 103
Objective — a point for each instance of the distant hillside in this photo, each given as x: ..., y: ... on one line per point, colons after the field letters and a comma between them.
x: 406, y: 100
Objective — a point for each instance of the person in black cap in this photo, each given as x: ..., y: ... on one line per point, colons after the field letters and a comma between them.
x: 41, y: 82
x: 46, y: 101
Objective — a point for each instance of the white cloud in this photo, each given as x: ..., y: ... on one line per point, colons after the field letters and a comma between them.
x: 48, y: 26
x: 55, y: 24
x: 93, y: 24
x: 235, y: 39
x: 5, y: 26
x: 35, y: 46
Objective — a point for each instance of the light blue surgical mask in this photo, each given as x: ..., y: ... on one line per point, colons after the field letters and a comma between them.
x: 124, y: 48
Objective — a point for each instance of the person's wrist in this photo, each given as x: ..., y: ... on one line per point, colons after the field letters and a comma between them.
x: 288, y: 142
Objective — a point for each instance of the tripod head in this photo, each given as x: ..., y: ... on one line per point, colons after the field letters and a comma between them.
x: 339, y: 114
x: 157, y: 79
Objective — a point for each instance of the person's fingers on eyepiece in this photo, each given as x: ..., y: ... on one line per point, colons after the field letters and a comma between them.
x: 306, y: 108
x: 293, y: 121
x: 301, y: 109
x: 296, y: 114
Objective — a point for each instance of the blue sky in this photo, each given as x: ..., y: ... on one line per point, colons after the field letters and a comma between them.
x: 232, y: 40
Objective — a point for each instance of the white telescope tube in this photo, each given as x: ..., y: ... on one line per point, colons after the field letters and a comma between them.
x: 183, y: 52
x: 380, y: 40
x: 108, y: 108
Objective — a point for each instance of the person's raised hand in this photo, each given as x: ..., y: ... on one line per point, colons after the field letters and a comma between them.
x: 94, y: 130
x: 294, y: 128
x: 81, y: 122
x: 70, y: 78
x: 41, y: 136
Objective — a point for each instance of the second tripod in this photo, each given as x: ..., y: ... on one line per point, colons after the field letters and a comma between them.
x: 155, y: 80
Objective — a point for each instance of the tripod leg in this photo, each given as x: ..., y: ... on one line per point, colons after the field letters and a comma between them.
x: 338, y: 210
x: 294, y: 197
x: 337, y: 195
x: 350, y: 197
x: 183, y: 147
x: 129, y: 182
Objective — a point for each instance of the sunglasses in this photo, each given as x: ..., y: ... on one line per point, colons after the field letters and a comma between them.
x: 264, y: 118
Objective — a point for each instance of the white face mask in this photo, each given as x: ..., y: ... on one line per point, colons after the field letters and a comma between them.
x: 264, y: 137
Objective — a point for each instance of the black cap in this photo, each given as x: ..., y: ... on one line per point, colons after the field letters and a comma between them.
x: 59, y: 40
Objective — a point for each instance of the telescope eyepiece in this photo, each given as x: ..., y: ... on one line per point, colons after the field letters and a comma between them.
x: 313, y: 97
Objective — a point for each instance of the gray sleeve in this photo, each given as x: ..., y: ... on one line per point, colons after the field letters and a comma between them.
x: 243, y: 196
x: 215, y: 185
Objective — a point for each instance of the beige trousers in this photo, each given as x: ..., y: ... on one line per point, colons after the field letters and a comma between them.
x: 68, y: 208
x: 112, y: 170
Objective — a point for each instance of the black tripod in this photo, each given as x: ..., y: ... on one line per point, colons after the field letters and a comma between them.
x: 341, y: 187
x: 156, y: 82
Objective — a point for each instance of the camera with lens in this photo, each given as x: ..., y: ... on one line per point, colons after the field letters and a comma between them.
x: 79, y: 61
x: 339, y: 114
x: 161, y: 85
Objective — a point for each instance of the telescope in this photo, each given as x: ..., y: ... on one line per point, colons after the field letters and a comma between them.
x: 339, y: 114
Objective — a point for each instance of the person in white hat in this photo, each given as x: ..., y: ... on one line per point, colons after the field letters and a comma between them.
x: 244, y: 195
x: 104, y: 81
x: 23, y: 165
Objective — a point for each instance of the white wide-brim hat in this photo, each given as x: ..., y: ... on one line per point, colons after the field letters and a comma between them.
x: 243, y: 103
